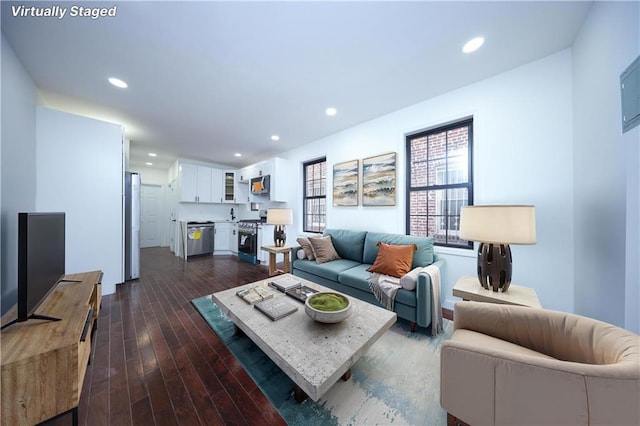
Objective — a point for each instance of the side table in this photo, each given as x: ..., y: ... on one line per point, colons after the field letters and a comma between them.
x: 273, y: 251
x: 469, y: 288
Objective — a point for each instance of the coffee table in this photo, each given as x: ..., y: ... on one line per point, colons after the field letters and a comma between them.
x: 314, y: 355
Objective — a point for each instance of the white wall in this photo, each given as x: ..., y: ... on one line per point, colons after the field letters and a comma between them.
x: 605, y: 168
x: 79, y: 165
x: 522, y: 154
x: 18, y: 153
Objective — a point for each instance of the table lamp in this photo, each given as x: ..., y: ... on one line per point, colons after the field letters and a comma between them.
x: 279, y: 218
x: 495, y: 227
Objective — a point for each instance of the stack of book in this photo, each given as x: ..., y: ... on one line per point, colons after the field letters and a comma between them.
x: 254, y: 294
x: 293, y: 287
x: 285, y: 283
x: 276, y: 308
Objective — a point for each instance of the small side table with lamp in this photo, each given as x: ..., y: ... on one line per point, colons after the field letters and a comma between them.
x: 280, y: 218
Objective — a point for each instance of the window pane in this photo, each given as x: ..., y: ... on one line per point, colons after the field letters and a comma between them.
x: 458, y: 155
x: 314, y: 209
x: 437, y: 145
x: 439, y: 182
x: 438, y: 172
x: 418, y: 162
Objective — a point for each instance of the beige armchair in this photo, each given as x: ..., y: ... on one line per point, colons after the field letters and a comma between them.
x: 514, y: 365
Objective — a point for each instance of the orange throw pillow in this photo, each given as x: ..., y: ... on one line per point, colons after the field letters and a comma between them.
x: 394, y: 260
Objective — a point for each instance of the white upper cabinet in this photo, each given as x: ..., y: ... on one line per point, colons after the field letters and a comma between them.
x: 280, y: 179
x: 216, y: 186
x: 195, y: 184
x: 229, y: 187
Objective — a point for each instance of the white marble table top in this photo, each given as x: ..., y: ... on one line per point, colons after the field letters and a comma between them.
x: 312, y: 354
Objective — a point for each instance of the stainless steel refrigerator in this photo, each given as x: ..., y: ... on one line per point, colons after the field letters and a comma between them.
x: 131, y: 226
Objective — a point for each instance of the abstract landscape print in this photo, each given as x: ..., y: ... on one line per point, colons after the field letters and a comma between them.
x: 379, y: 180
x: 345, y: 183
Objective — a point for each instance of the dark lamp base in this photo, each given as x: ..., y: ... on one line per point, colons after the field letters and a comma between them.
x: 279, y: 236
x: 494, y: 266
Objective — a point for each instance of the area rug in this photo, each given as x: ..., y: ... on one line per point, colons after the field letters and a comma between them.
x: 397, y: 381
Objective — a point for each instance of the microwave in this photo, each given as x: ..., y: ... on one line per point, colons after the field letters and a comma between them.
x: 260, y: 185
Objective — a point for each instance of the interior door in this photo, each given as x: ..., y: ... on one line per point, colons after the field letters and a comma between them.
x: 150, y: 216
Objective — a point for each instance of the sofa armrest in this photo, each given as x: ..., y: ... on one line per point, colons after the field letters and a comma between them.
x: 423, y: 296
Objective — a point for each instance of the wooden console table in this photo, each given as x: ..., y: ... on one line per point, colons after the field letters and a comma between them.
x: 44, y: 362
x: 273, y: 251
x: 469, y: 288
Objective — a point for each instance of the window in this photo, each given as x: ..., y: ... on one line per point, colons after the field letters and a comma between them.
x: 314, y: 209
x: 439, y: 182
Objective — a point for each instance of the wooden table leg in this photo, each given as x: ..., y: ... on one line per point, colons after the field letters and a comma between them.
x: 347, y: 375
x: 272, y: 264
x: 287, y: 264
x: 299, y: 395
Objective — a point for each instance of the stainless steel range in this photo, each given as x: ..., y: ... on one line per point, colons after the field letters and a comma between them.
x: 248, y: 240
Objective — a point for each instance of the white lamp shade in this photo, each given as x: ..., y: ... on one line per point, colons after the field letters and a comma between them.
x: 279, y: 216
x: 498, y: 224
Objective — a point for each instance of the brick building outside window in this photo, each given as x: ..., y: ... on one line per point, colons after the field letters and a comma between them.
x: 314, y: 205
x: 439, y: 182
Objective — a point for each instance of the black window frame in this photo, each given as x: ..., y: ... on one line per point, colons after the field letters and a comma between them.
x: 305, y: 197
x: 466, y: 122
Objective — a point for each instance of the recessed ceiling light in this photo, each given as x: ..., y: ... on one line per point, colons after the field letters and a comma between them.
x: 148, y: 163
x: 473, y: 44
x: 118, y: 83
x: 331, y: 111
x: 153, y: 154
x: 275, y: 138
x: 237, y: 154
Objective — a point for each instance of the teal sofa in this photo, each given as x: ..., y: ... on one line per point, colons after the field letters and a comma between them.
x: 349, y: 275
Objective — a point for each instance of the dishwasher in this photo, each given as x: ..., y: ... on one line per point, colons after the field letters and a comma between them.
x: 200, y: 237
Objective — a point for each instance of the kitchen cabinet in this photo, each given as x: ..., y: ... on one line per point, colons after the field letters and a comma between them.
x: 265, y: 238
x: 245, y: 174
x: 242, y: 193
x: 222, y: 239
x: 229, y: 187
x: 280, y: 182
x: 195, y: 183
x: 216, y: 186
x: 234, y: 238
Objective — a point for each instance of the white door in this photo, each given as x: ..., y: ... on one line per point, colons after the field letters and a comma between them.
x: 150, y: 216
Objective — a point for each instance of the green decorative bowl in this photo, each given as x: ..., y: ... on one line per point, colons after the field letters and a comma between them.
x: 328, y: 307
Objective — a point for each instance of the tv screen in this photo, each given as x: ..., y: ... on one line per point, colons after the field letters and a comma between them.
x: 41, y: 258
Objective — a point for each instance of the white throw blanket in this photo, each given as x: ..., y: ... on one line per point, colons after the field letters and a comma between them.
x: 385, y: 288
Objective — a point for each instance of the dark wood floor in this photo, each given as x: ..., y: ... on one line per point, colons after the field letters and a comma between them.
x: 157, y: 362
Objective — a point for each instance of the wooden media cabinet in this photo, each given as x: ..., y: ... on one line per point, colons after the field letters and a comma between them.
x: 44, y: 362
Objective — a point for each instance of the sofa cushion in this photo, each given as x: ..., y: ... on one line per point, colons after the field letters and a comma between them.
x: 306, y: 246
x: 357, y: 277
x: 393, y: 260
x: 348, y: 244
x: 328, y: 270
x: 323, y: 249
x: 423, y: 256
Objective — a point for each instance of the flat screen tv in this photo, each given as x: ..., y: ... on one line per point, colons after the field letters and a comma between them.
x: 41, y: 259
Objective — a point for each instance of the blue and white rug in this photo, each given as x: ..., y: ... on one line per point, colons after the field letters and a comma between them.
x: 397, y: 381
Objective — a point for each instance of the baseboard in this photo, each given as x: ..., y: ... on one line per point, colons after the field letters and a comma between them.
x: 447, y: 313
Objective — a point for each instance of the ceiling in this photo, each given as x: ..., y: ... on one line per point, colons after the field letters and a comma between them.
x: 211, y: 79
